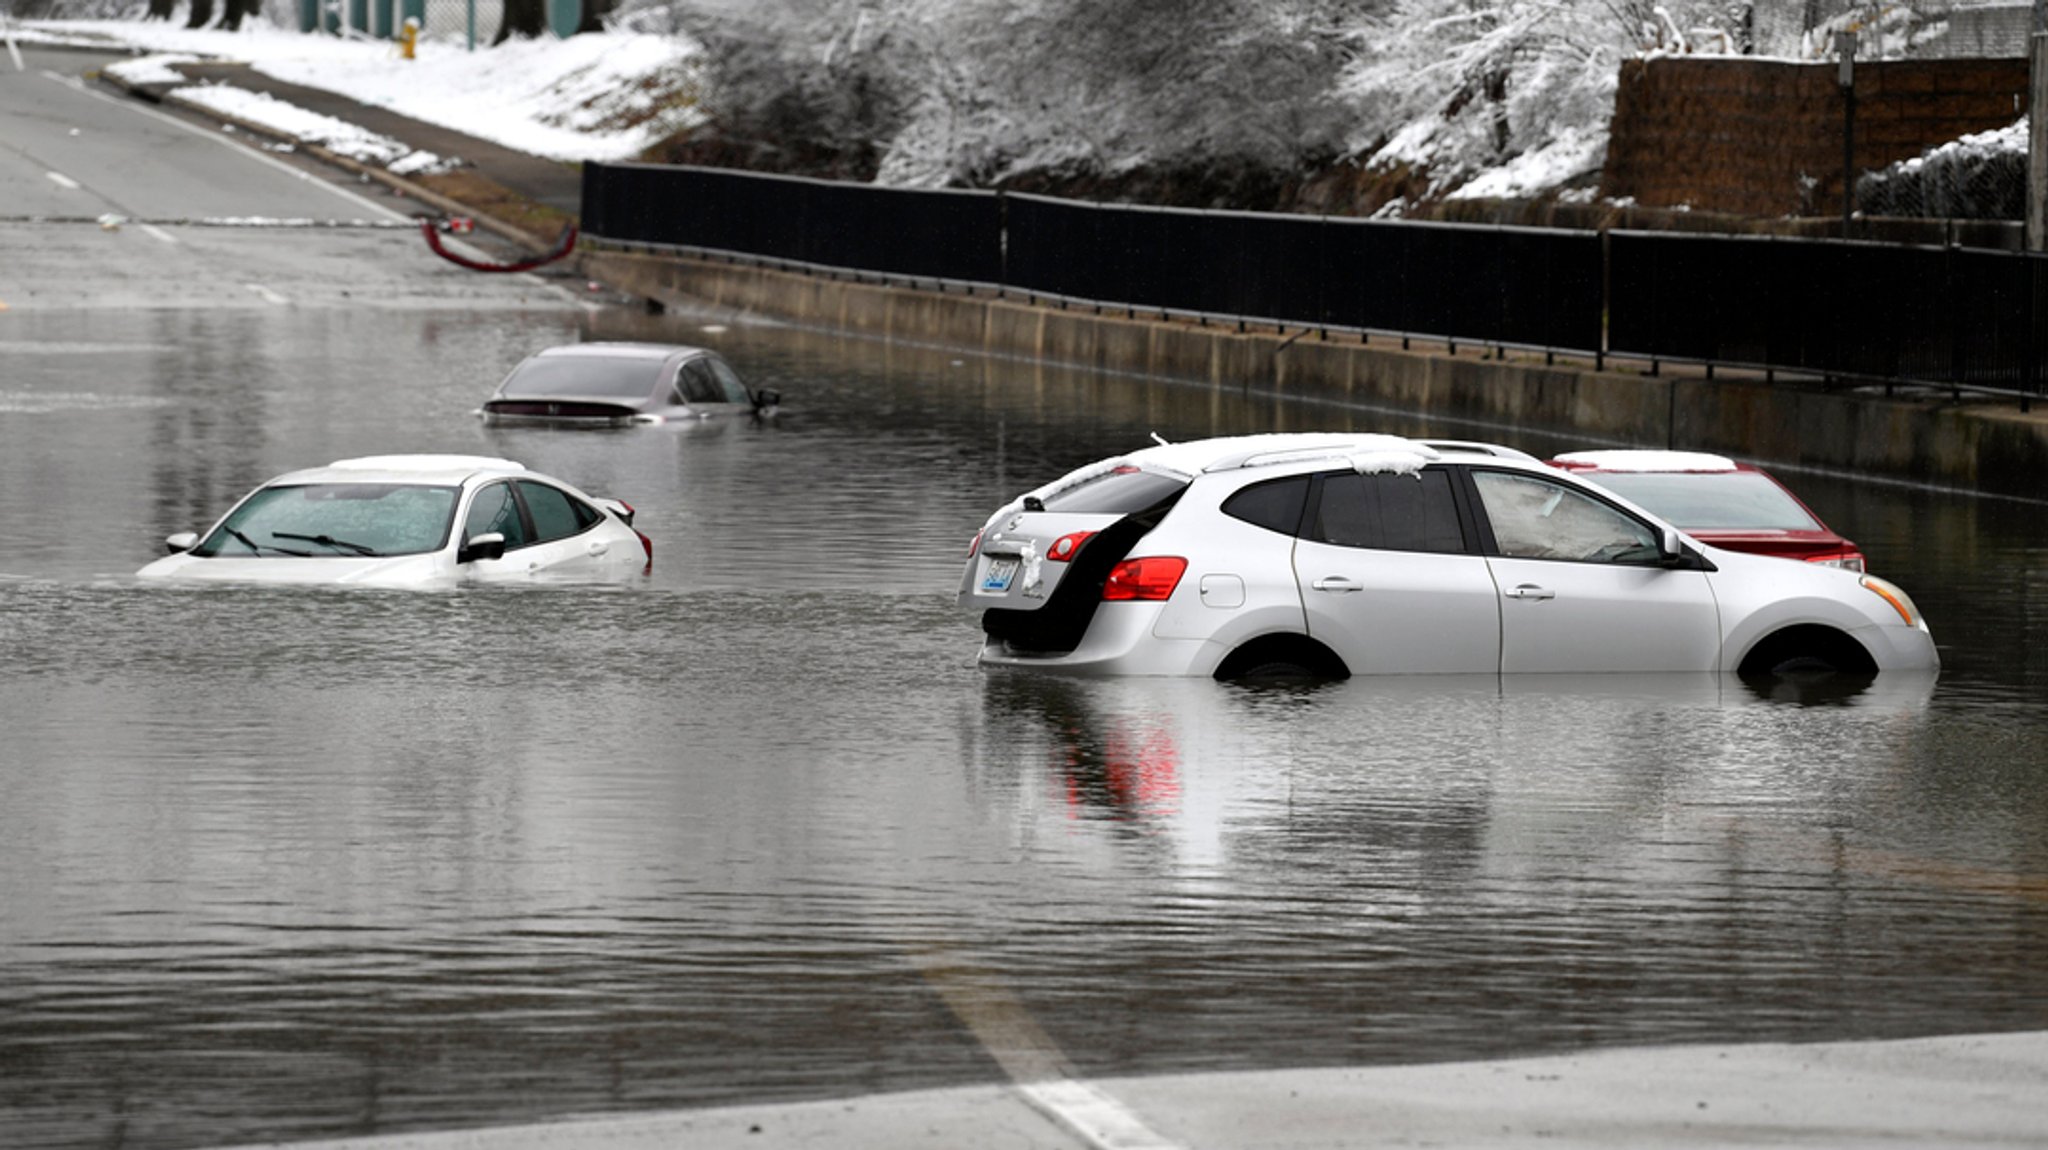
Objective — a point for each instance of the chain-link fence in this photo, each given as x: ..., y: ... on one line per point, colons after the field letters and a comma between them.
x: 1980, y: 177
x: 466, y: 22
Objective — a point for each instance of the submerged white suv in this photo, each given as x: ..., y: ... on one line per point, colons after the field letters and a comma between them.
x: 1334, y: 555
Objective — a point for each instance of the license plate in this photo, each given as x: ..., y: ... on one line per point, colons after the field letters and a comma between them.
x: 996, y: 579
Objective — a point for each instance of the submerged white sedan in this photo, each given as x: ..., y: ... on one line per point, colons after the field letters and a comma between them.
x: 413, y: 521
x: 1336, y: 555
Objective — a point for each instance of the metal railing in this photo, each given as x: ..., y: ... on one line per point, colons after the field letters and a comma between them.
x: 1962, y: 319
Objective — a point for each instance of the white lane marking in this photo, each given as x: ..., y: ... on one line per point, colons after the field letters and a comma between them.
x: 1029, y: 1056
x: 63, y: 181
x: 226, y: 142
x: 1100, y: 1120
x: 269, y: 296
x: 157, y: 233
x: 11, y: 49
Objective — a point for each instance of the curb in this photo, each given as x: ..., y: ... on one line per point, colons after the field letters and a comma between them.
x: 170, y: 94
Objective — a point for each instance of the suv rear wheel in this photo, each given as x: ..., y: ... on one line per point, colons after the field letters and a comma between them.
x: 1271, y: 657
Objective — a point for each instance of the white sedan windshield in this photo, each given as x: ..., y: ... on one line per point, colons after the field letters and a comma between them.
x: 335, y: 519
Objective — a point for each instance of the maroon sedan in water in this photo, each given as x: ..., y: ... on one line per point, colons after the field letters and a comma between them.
x: 1717, y: 501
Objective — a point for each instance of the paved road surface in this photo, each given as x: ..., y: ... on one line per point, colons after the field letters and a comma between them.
x: 109, y: 202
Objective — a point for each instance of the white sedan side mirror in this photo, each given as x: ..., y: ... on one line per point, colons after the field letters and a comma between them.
x: 489, y: 545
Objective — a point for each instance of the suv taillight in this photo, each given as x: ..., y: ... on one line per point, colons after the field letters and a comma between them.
x: 1067, y: 546
x: 1150, y: 579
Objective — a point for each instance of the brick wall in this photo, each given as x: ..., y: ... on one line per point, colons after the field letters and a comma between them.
x: 1735, y: 134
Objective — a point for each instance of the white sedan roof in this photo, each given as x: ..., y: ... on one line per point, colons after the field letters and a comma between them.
x: 619, y: 350
x: 441, y: 469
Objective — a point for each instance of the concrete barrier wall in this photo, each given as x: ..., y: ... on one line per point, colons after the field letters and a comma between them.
x: 1984, y: 446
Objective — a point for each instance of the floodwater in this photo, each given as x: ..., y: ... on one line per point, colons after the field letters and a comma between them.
x: 280, y: 865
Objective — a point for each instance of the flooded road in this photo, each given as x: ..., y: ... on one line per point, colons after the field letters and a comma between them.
x: 279, y: 865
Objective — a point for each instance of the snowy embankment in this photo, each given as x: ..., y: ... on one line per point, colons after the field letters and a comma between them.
x: 1435, y: 100
x: 602, y: 96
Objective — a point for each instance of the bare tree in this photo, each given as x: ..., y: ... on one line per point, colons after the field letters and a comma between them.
x: 594, y: 14
x: 523, y: 18
x: 234, y: 10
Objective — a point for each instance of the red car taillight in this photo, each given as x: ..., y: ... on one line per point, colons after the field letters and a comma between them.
x: 974, y: 544
x: 1150, y: 579
x: 1067, y: 546
x: 647, y: 545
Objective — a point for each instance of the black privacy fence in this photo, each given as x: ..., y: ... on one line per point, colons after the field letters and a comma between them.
x: 1958, y: 317
x: 1493, y: 285
x: 937, y: 234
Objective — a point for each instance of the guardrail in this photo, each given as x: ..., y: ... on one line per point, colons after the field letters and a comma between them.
x: 1955, y: 318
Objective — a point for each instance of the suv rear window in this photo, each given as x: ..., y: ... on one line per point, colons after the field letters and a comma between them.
x: 1389, y: 512
x: 1274, y: 505
x: 1118, y: 492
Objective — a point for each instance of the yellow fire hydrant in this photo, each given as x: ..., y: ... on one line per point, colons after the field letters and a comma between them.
x: 409, y: 38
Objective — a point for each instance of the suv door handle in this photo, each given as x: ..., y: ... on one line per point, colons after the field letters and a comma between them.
x: 1530, y: 591
x: 1337, y: 583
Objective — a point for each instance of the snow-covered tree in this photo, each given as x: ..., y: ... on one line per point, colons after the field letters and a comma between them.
x: 1456, y: 88
x: 1184, y: 101
x: 983, y: 92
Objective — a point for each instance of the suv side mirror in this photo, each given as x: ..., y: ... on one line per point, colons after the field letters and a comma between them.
x: 489, y: 545
x: 180, y: 543
x: 1672, y: 552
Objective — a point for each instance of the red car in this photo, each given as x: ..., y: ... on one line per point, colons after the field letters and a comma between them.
x: 1717, y: 501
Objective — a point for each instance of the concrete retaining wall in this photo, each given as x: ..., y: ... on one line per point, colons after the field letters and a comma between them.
x: 1985, y: 446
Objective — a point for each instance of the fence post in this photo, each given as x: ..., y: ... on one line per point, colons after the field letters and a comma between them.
x: 2030, y: 350
x: 2037, y: 135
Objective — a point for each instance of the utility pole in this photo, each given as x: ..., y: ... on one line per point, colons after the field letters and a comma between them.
x: 1845, y: 75
x: 2037, y: 130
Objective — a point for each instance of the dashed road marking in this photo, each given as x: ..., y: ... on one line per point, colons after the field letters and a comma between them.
x: 63, y: 181
x: 1044, y: 1077
x: 269, y: 296
x: 157, y: 233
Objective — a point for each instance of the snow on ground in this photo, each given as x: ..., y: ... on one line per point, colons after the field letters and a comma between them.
x: 1574, y: 153
x: 598, y: 96
x: 311, y: 127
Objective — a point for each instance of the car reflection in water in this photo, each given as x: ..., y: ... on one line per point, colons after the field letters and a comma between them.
x: 1423, y: 765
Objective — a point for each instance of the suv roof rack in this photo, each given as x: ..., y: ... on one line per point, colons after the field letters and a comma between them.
x: 1474, y: 447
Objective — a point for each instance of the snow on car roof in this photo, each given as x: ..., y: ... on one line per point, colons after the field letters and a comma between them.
x: 444, y: 468
x: 1636, y: 460
x: 1365, y: 452
x: 1233, y: 451
x: 621, y: 349
x: 426, y: 463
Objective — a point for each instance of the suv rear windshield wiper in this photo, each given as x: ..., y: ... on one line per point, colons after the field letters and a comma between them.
x: 327, y: 541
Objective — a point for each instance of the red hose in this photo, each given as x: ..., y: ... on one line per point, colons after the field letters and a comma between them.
x: 564, y: 244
